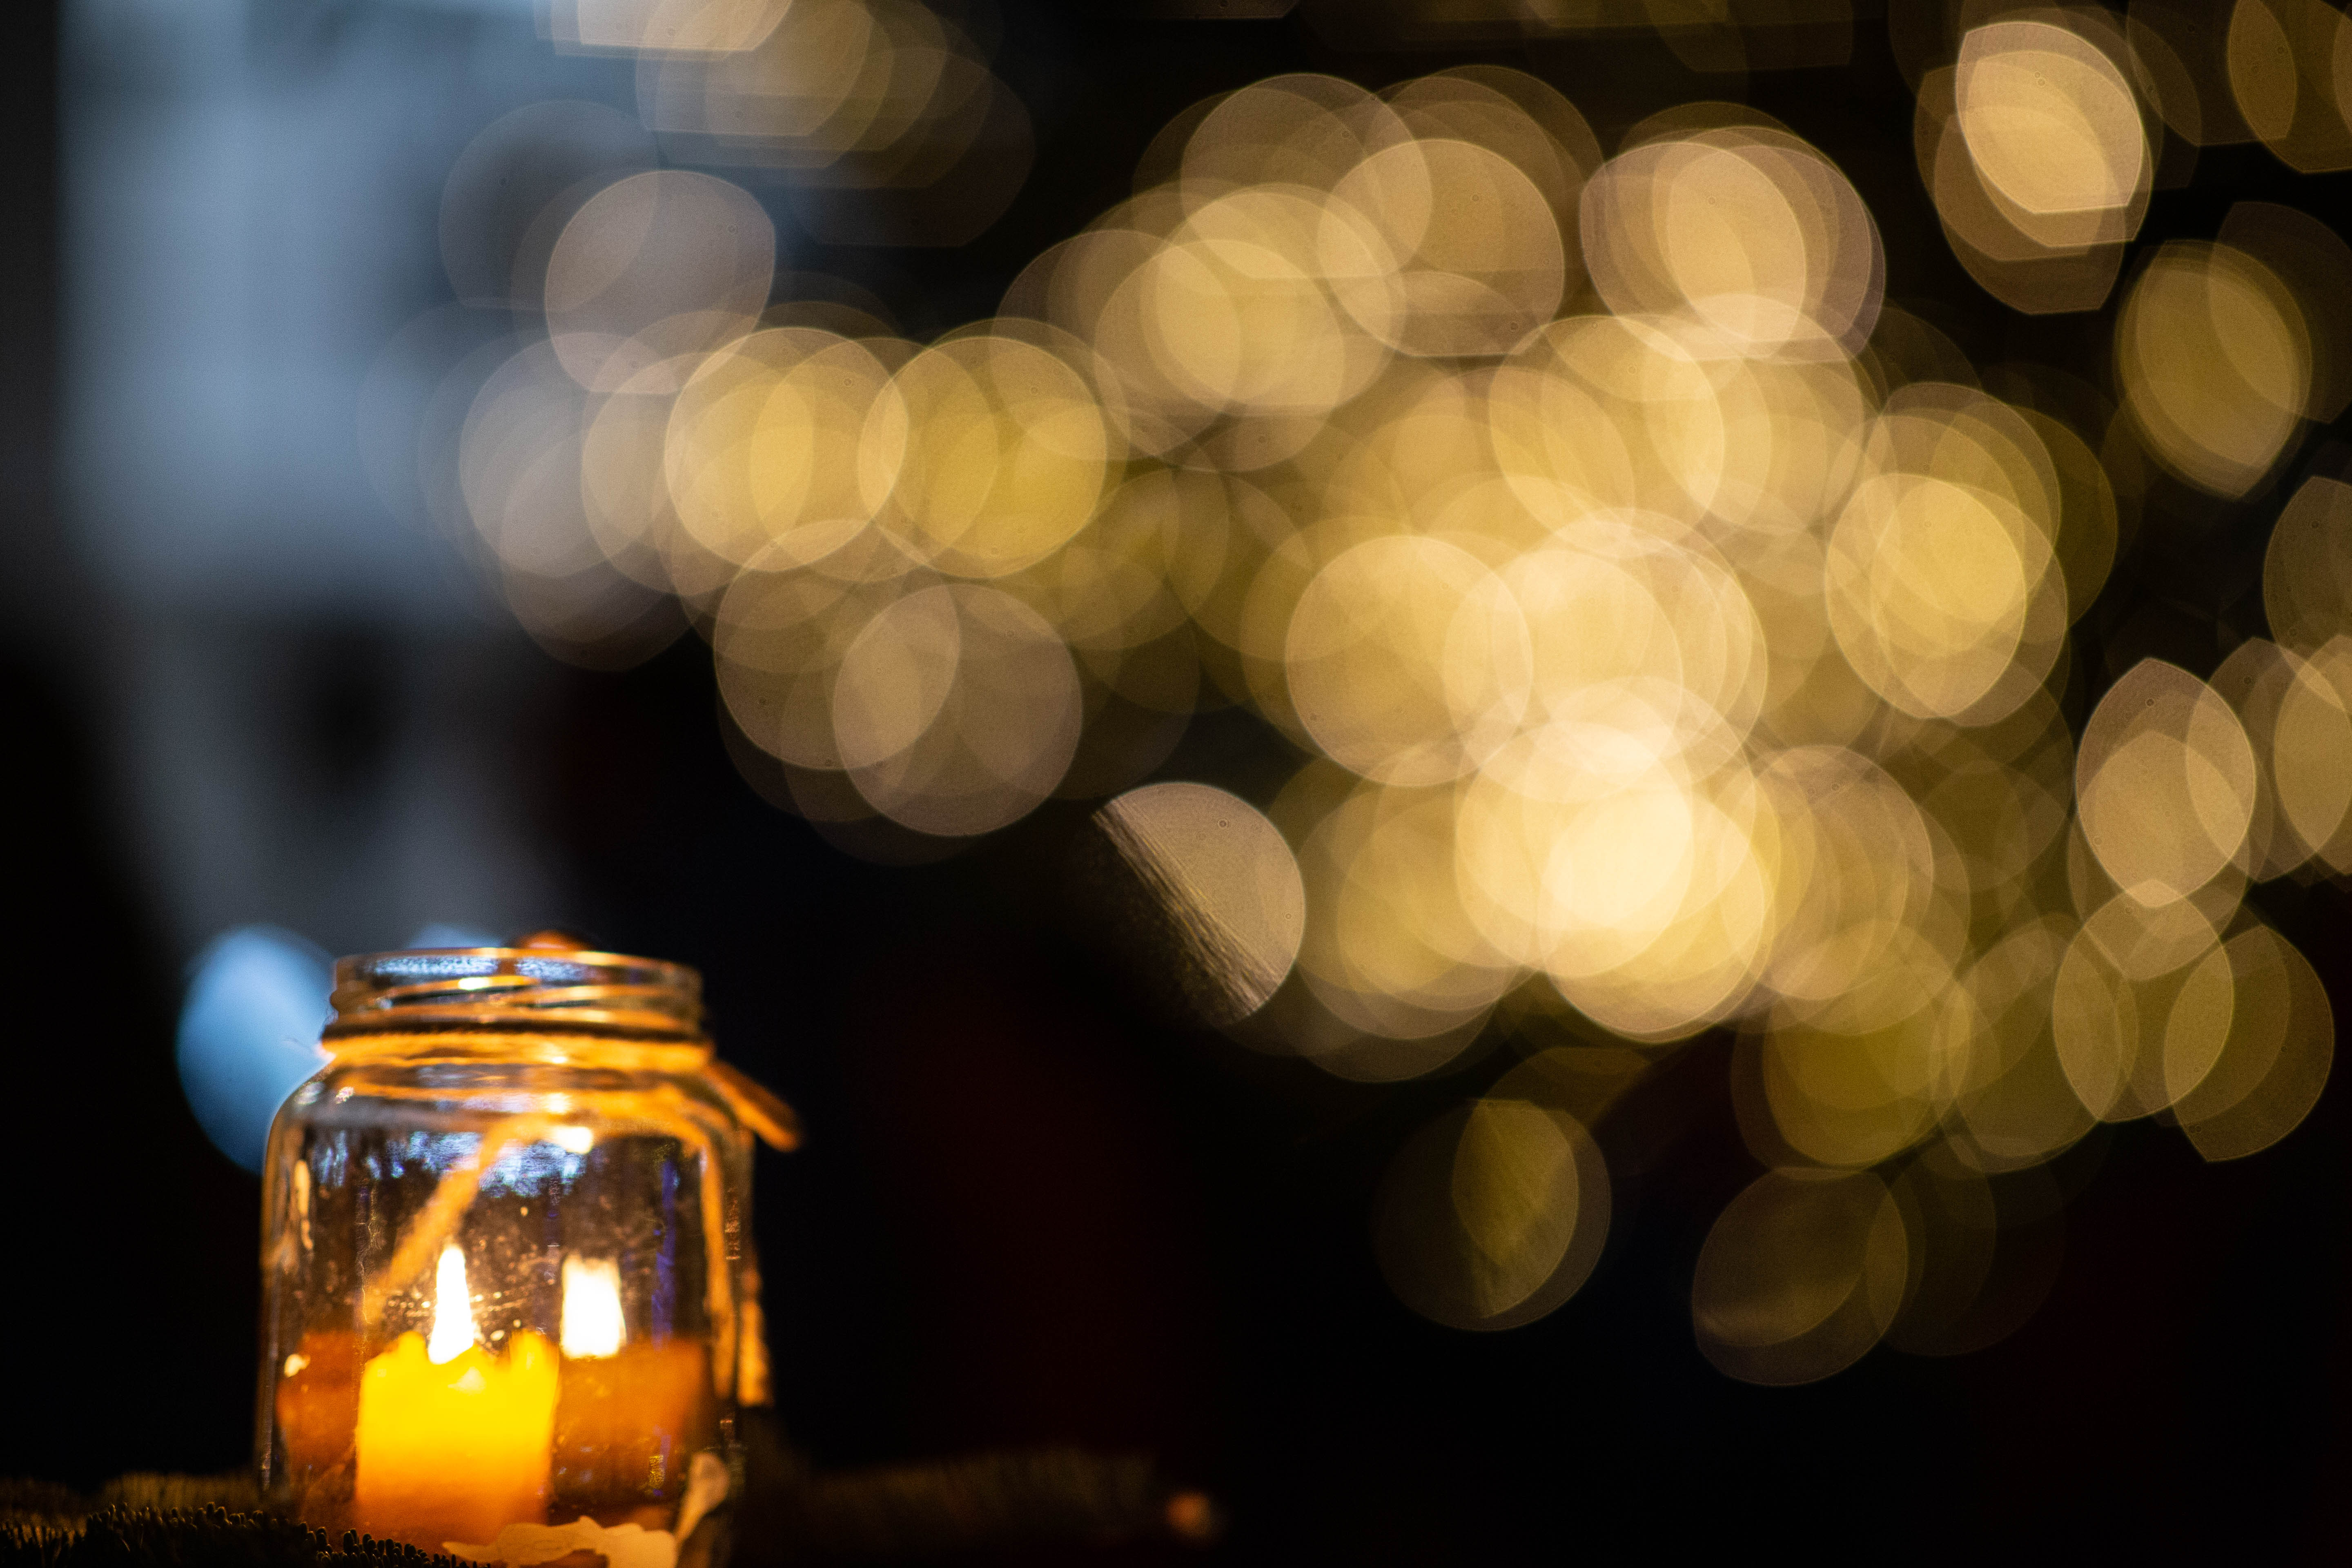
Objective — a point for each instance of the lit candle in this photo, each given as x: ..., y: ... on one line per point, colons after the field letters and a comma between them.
x: 454, y: 1443
x: 630, y: 1415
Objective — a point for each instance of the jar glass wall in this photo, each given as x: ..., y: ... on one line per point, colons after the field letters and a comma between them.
x: 506, y: 1268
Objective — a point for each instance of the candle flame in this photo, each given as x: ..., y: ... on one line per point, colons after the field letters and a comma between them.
x: 453, y: 1310
x: 592, y: 1307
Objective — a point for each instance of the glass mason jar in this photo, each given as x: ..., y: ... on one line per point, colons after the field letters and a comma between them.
x: 511, y: 1304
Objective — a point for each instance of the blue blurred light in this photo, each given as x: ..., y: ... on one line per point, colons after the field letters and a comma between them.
x: 440, y: 934
x: 249, y: 1033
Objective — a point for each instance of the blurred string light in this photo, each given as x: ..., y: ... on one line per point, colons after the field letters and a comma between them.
x: 2039, y: 157
x: 2043, y: 138
x: 891, y: 99
x: 250, y: 1028
x: 1675, y: 627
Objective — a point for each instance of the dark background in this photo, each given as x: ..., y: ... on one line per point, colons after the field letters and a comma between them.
x: 1031, y: 1210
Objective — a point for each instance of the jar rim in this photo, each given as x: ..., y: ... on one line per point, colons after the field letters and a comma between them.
x: 543, y: 985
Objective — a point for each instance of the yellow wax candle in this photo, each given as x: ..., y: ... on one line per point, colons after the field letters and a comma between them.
x: 628, y: 1423
x: 456, y: 1450
x: 454, y: 1443
x: 631, y: 1416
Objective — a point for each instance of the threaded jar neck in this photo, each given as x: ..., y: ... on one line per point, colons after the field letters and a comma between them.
x: 539, y: 987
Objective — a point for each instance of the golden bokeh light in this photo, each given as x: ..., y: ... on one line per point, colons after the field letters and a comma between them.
x: 1983, y: 1253
x: 1389, y: 948
x: 2012, y: 1104
x: 956, y: 711
x: 1930, y: 585
x: 2315, y: 264
x: 2053, y: 128
x: 1667, y: 633
x: 2285, y: 69
x: 761, y: 454
x: 2307, y: 566
x: 2212, y: 352
x: 1800, y: 1275
x: 2181, y: 50
x: 2039, y: 156
x: 983, y: 454
x: 1494, y: 1214
x: 1408, y: 661
x: 874, y: 96
x: 1745, y: 229
x: 2310, y: 757
x: 695, y: 27
x: 2267, y: 1075
x: 654, y: 269
x: 2143, y: 1002
x: 2166, y: 779
x: 1228, y: 881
